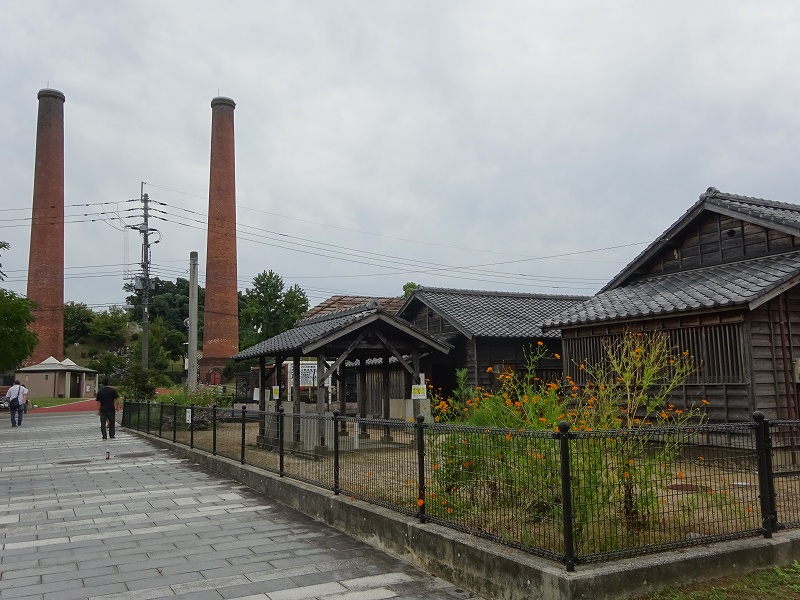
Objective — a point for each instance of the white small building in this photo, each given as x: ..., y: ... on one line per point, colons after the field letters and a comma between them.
x: 52, y: 378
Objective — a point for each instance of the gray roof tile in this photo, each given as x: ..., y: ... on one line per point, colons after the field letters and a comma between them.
x: 494, y: 314
x: 709, y: 287
x: 306, y: 331
x: 779, y: 214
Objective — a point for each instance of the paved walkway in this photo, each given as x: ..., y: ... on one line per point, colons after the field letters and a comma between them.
x: 146, y: 524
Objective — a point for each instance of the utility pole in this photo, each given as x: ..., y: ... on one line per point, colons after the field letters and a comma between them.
x: 192, y: 346
x: 143, y: 282
x: 146, y: 282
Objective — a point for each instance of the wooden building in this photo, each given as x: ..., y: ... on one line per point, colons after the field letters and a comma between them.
x: 361, y: 335
x: 486, y: 329
x: 722, y: 281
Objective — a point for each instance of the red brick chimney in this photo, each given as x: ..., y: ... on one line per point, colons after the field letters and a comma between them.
x: 221, y: 317
x: 46, y: 258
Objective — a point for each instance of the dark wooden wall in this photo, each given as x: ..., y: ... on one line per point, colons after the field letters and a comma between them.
x: 478, y: 354
x: 719, y: 239
x: 775, y: 338
x: 719, y: 342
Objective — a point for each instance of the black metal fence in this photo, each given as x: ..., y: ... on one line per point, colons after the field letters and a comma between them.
x: 572, y: 496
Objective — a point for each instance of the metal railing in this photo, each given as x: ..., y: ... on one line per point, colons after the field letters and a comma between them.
x: 576, y: 497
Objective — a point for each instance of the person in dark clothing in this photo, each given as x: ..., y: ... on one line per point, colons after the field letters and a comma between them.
x: 108, y: 398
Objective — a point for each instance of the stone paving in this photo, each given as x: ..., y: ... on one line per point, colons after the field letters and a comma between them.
x: 146, y: 524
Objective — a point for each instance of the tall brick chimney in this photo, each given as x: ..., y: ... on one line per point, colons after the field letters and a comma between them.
x: 46, y: 258
x: 221, y: 317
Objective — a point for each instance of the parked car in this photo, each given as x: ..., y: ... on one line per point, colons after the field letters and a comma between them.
x: 3, y: 403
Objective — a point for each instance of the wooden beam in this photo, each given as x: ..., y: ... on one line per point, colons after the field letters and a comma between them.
x: 396, y: 354
x: 344, y: 355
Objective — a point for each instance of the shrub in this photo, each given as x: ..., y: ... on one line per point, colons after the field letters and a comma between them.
x: 618, y: 464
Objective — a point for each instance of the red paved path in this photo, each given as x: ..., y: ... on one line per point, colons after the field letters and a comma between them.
x: 79, y: 406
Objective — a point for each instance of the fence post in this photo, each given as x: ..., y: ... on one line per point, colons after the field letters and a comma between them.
x: 244, y: 416
x: 147, y: 426
x: 214, y: 430
x: 139, y: 415
x: 160, y: 418
x: 281, y: 441
x: 766, y: 492
x: 336, y: 452
x: 123, y: 422
x: 191, y: 426
x: 174, y: 422
x: 566, y: 497
x: 420, y: 425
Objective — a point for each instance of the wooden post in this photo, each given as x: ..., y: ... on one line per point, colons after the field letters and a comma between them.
x: 341, y: 392
x: 362, y: 396
x: 321, y: 366
x: 296, y: 404
x: 386, y: 392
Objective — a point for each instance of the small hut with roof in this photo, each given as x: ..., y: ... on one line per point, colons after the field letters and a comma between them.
x: 52, y: 378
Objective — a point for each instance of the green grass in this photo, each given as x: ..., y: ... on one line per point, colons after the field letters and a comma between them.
x: 45, y: 402
x: 777, y: 583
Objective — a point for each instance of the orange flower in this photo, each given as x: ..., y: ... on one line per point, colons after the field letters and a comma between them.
x: 420, y: 502
x: 489, y: 369
x: 680, y: 474
x: 704, y: 401
x: 558, y: 357
x: 540, y: 343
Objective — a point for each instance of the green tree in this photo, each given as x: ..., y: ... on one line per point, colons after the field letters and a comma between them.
x: 409, y: 288
x: 164, y: 345
x: 3, y: 246
x: 110, y: 328
x: 108, y: 364
x: 18, y: 343
x: 265, y: 310
x: 169, y: 301
x: 77, y: 323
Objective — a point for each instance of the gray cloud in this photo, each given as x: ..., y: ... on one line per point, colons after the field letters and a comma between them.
x: 398, y: 139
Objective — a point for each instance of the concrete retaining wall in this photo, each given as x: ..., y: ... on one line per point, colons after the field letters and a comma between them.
x: 493, y: 570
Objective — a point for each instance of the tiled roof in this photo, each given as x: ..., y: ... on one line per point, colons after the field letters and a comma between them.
x: 739, y: 283
x: 337, y: 303
x: 494, y: 314
x: 757, y: 210
x: 768, y: 210
x: 307, y: 331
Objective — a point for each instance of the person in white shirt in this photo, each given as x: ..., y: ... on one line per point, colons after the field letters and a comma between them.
x: 17, y: 396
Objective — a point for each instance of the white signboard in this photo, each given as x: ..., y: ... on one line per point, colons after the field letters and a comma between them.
x: 189, y: 415
x: 276, y: 391
x: 308, y: 375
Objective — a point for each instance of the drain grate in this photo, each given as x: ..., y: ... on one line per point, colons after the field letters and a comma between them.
x: 74, y: 462
x: 134, y: 454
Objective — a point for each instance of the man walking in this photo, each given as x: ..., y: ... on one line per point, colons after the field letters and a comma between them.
x: 17, y: 395
x: 108, y: 398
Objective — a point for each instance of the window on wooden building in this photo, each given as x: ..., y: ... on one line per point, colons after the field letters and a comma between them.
x: 718, y: 351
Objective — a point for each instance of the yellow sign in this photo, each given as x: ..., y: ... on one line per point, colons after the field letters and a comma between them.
x: 276, y: 392
x: 418, y: 392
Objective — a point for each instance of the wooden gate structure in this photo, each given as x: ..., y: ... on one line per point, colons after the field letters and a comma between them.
x: 356, y: 335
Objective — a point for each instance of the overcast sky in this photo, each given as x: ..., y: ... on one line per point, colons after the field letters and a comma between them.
x: 516, y: 146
